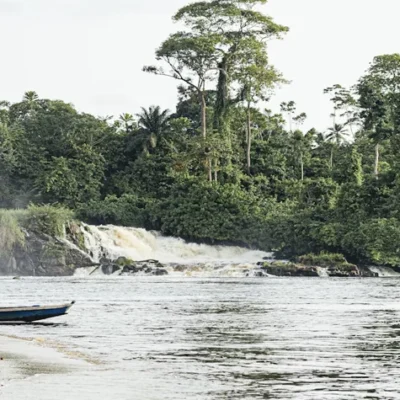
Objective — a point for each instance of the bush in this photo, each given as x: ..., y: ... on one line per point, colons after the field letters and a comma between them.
x: 203, y: 211
x: 11, y: 234
x: 127, y: 210
x: 50, y: 220
x: 323, y: 259
x: 374, y: 241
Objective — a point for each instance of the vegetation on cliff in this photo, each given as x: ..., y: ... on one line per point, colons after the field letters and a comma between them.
x: 15, y: 224
x: 222, y: 166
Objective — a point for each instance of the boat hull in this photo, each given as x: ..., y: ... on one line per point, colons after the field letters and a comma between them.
x: 31, y: 314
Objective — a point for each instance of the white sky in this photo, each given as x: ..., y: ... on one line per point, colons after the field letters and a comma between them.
x: 91, y: 52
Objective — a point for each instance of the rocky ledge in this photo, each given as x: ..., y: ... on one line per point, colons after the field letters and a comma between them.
x: 43, y: 255
x: 316, y: 266
x: 125, y: 266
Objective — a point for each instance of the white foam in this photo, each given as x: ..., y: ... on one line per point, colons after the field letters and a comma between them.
x: 138, y: 244
x: 384, y: 272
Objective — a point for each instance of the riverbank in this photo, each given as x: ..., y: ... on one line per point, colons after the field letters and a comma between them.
x: 23, y: 360
x: 81, y: 249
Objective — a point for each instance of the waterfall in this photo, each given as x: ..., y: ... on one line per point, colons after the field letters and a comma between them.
x: 111, y: 242
x: 384, y: 272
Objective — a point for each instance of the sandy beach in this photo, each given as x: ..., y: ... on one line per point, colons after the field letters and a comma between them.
x: 30, y: 369
x: 23, y: 360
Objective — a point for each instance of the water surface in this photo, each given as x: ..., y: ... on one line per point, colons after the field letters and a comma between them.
x: 183, y: 339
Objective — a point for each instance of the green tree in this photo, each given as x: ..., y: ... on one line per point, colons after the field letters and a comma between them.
x: 379, y: 99
x: 336, y: 136
x: 127, y: 121
x: 257, y: 80
x: 289, y: 109
x: 154, y: 123
x: 231, y: 25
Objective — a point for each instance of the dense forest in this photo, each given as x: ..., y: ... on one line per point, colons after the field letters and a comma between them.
x: 221, y: 167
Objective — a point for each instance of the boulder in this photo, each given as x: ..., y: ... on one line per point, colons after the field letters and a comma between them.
x: 43, y: 255
x: 279, y: 268
x: 160, y: 272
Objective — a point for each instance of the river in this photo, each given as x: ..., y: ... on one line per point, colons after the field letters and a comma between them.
x: 177, y: 338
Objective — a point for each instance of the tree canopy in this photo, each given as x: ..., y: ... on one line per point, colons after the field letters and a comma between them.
x: 220, y: 166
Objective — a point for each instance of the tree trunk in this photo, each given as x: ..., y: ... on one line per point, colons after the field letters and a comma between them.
x: 203, y: 119
x: 216, y: 170
x: 248, y: 140
x: 331, y: 161
x: 222, y: 95
x: 203, y: 114
x: 302, y: 167
x: 209, y: 166
x: 376, y: 167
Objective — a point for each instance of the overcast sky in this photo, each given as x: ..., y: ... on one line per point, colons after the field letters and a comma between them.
x: 91, y: 52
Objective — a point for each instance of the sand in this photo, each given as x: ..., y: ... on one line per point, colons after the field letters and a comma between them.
x: 22, y: 359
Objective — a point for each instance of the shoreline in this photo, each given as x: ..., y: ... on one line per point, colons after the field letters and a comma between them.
x: 22, y: 359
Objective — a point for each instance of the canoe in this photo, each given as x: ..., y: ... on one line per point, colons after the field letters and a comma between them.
x: 34, y: 313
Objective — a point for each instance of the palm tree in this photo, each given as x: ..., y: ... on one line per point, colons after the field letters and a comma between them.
x: 127, y: 121
x: 153, y: 122
x: 336, y: 136
x: 31, y: 98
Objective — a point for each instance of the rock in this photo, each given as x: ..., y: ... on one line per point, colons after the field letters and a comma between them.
x: 160, y: 272
x: 278, y: 268
x: 43, y: 255
x: 324, y: 264
x: 148, y: 264
x: 132, y: 270
x: 123, y: 261
x: 180, y: 268
x: 109, y: 269
x: 344, y: 270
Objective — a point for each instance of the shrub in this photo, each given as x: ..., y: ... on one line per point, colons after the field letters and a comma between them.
x: 11, y: 234
x: 322, y: 260
x: 47, y: 219
x: 127, y: 210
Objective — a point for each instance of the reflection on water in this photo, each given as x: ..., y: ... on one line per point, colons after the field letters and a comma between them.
x: 163, y: 338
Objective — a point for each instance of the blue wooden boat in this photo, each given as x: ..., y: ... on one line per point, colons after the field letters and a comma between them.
x: 34, y: 313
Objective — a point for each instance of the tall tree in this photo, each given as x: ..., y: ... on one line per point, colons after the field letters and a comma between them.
x: 379, y: 99
x: 344, y: 106
x: 232, y: 24
x: 289, y: 109
x: 256, y: 79
x: 191, y: 59
x: 299, y: 147
x: 336, y: 136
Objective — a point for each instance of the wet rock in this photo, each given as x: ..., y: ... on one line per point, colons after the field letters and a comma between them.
x: 180, y: 268
x: 344, y: 271
x: 160, y: 272
x: 110, y: 269
x: 147, y: 267
x: 333, y: 264
x: 278, y: 268
x: 131, y: 269
x: 44, y: 255
x: 124, y: 261
x: 148, y: 264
